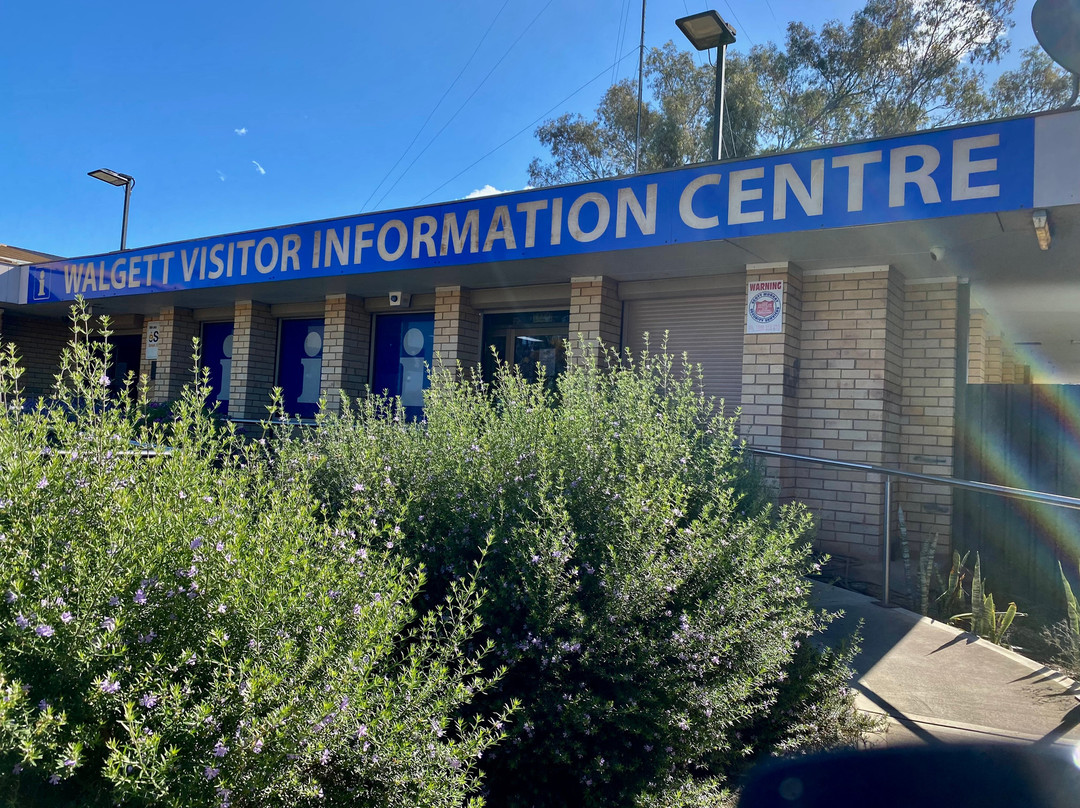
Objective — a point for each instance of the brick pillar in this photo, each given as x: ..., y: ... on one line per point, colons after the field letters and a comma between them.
x: 254, y: 352
x: 595, y: 312
x: 457, y: 327
x: 346, y: 349
x: 929, y: 410
x: 993, y: 358
x: 173, y: 368
x: 770, y: 379
x: 849, y: 403
x: 977, y: 348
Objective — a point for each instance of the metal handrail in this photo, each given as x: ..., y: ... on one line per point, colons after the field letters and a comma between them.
x: 1042, y: 497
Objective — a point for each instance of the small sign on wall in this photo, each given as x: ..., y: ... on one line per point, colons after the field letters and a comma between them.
x: 153, y: 337
x: 765, y: 307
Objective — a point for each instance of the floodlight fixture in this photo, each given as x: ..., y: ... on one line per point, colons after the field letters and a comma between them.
x: 117, y: 179
x: 709, y: 30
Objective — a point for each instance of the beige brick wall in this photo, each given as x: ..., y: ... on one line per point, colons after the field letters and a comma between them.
x: 849, y: 402
x: 994, y: 346
x: 39, y: 342
x: 771, y: 364
x: 457, y: 327
x: 928, y: 415
x: 977, y: 347
x: 173, y: 367
x: 595, y: 312
x: 254, y: 358
x: 346, y: 349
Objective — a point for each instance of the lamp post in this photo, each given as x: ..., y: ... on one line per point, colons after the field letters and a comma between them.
x: 116, y: 178
x: 709, y: 30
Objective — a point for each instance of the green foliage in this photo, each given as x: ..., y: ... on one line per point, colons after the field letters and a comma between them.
x: 1063, y: 637
x: 190, y: 628
x: 983, y: 619
x: 896, y: 66
x: 649, y: 608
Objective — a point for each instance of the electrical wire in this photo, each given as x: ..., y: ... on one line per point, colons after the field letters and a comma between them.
x: 483, y: 81
x: 738, y: 22
x: 620, y: 37
x: 527, y: 127
x: 438, y: 103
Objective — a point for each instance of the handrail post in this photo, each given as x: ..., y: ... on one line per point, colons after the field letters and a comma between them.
x: 886, y: 536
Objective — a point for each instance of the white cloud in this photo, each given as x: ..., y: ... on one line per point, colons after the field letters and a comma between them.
x: 220, y: 175
x: 487, y: 190
x: 241, y: 131
x: 491, y: 190
x: 258, y: 167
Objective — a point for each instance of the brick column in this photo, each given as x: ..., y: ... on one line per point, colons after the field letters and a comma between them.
x: 849, y: 402
x: 770, y: 379
x: 457, y: 327
x: 977, y: 348
x: 254, y: 354
x: 993, y: 358
x: 173, y: 368
x: 929, y: 409
x: 346, y: 349
x: 595, y: 313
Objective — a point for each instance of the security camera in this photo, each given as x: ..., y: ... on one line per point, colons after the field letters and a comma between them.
x: 937, y: 253
x: 399, y: 299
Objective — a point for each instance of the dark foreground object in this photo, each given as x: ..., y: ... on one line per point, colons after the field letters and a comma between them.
x: 924, y: 776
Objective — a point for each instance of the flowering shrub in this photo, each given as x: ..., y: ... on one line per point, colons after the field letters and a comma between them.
x: 188, y: 628
x: 650, y: 609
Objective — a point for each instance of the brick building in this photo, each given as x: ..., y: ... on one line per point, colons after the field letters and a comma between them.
x: 839, y: 296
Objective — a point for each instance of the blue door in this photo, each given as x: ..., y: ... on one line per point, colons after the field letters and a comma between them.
x: 217, y: 353
x: 300, y: 366
x: 403, y: 351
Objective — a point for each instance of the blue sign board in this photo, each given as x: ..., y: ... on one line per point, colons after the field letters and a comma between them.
x: 404, y: 349
x: 300, y: 366
x: 217, y: 352
x: 972, y: 169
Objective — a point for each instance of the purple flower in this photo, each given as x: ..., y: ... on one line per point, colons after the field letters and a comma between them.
x: 109, y: 624
x: 324, y: 758
x: 104, y: 381
x: 147, y: 638
x: 109, y: 686
x: 182, y: 495
x: 43, y: 705
x: 196, y: 543
x: 21, y: 621
x: 210, y: 772
x: 220, y: 750
x: 69, y: 762
x: 44, y: 631
x: 220, y: 547
x: 258, y: 746
x: 149, y: 701
x: 11, y: 597
x: 140, y: 598
x: 66, y: 617
x: 114, y: 601
x: 54, y: 779
x: 17, y: 768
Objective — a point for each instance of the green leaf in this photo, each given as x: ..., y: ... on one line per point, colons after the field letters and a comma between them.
x: 1071, y: 604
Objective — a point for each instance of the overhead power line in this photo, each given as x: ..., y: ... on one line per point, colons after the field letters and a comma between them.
x: 483, y: 81
x: 438, y: 103
x: 529, y: 126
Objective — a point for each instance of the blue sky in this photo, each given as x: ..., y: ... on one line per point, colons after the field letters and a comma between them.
x: 236, y: 115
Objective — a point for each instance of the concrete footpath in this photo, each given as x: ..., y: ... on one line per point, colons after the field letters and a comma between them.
x: 936, y: 683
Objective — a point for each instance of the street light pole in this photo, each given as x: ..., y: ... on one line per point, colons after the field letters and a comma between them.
x: 718, y: 101
x: 708, y: 30
x: 118, y: 179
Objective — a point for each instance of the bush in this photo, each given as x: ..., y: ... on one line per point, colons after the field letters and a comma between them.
x: 650, y: 609
x: 190, y: 629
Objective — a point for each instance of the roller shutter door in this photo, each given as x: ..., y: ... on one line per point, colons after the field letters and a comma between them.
x: 708, y: 329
